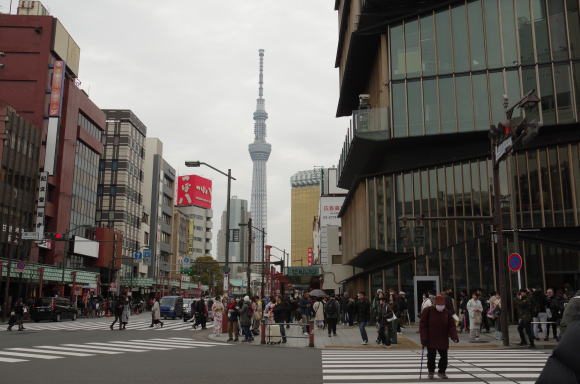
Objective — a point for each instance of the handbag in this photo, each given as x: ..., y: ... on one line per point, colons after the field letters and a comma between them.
x: 392, y: 318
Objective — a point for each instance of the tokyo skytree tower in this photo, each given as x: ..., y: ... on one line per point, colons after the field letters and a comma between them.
x: 259, y: 152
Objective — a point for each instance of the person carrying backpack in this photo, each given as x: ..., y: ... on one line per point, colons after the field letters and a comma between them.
x: 331, y: 310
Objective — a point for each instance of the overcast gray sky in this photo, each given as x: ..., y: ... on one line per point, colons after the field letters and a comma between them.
x: 189, y: 70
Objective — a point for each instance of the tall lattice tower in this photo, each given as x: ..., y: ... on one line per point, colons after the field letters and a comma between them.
x: 259, y: 152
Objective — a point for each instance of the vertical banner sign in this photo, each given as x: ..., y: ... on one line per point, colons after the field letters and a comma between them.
x: 41, y: 203
x: 56, y: 89
x: 310, y: 257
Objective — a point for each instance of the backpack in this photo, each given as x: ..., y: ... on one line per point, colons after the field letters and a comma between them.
x: 331, y: 308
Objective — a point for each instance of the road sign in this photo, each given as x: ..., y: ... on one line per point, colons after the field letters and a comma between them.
x: 226, y: 282
x: 515, y: 262
x: 147, y: 253
x: 31, y: 236
x: 502, y: 148
x: 20, y: 266
x: 138, y: 255
x: 186, y: 260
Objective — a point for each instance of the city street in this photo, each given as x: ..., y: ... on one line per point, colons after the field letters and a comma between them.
x: 88, y: 349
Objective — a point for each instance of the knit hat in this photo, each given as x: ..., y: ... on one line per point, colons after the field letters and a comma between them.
x: 247, y: 298
x: 439, y: 300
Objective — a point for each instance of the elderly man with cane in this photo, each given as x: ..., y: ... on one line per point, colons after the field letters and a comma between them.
x: 436, y: 327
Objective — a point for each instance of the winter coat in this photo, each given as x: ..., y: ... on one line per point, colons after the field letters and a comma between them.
x: 156, y: 311
x: 385, y: 313
x: 318, y: 309
x: 538, y: 303
x: 523, y: 309
x: 563, y: 367
x: 304, y: 307
x: 571, y: 312
x: 280, y: 312
x: 362, y: 311
x: 556, y: 306
x: 436, y: 328
x: 246, y: 315
x: 331, y: 309
x: 449, y: 304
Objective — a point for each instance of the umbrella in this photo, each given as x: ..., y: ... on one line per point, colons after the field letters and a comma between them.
x: 317, y: 293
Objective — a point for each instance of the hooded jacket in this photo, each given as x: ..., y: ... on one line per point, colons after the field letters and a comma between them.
x: 563, y: 367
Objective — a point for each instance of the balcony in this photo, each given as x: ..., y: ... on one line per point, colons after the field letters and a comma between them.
x: 366, y: 126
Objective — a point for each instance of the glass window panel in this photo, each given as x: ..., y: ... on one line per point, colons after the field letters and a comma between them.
x: 408, y: 177
x: 547, y: 95
x: 512, y: 79
x: 431, y: 110
x: 447, y: 108
x: 415, y: 112
x: 525, y: 31
x: 425, y: 193
x: 535, y: 189
x: 485, y: 194
x: 566, y: 184
x: 460, y: 43
x: 492, y: 33
x: 558, y: 30
x: 545, y: 191
x: 473, y: 266
x: 529, y: 83
x: 510, y: 50
x: 497, y: 92
x: 397, y: 52
x: 464, y: 103
x: 460, y: 271
x: 428, y: 46
x: 574, y: 27
x: 442, y: 25
x: 476, y: 44
x: 467, y: 190
x: 541, y: 28
x: 481, y: 102
x: 563, y: 93
x: 575, y: 178
x: 412, y: 48
x: 475, y: 189
x: 399, y: 110
x: 416, y: 193
x: 380, y: 212
x: 556, y: 182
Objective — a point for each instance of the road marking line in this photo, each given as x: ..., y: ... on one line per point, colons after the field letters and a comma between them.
x: 88, y: 350
x: 138, y: 345
x: 78, y: 354
x: 9, y: 360
x: 18, y: 354
x: 124, y: 348
x: 154, y: 343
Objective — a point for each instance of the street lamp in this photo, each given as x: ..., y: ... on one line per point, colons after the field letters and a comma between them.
x: 195, y: 164
x: 284, y: 257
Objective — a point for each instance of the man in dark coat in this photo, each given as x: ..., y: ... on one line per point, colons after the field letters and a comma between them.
x: 436, y: 327
x: 524, y: 316
x: 119, y: 306
x: 363, y: 315
x: 563, y: 367
x: 331, y: 312
x: 200, y: 314
x: 571, y: 312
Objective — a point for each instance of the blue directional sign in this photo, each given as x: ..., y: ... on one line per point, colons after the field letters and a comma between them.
x: 138, y: 255
x: 147, y: 253
x: 186, y: 260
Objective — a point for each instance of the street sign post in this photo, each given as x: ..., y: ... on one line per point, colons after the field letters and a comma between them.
x: 186, y: 261
x: 515, y: 263
x: 147, y: 253
x: 138, y: 255
x: 502, y: 148
x: 32, y: 236
x: 226, y: 283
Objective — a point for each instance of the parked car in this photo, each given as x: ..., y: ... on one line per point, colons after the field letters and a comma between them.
x: 187, y: 315
x: 53, y: 308
x: 171, y: 306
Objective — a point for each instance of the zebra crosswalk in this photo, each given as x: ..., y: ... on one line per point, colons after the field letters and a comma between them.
x: 53, y: 352
x: 104, y: 324
x: 402, y: 366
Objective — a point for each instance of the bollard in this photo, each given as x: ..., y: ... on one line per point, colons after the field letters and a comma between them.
x: 262, y: 332
x: 311, y: 334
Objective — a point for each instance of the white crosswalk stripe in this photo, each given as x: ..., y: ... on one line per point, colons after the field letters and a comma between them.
x: 93, y: 349
x: 402, y: 366
x: 104, y: 324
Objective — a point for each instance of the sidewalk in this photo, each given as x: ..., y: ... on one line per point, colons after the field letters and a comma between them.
x: 349, y: 337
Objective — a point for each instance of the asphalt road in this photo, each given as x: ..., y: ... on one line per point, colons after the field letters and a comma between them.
x: 149, y: 356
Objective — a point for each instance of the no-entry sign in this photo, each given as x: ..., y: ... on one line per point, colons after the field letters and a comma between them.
x: 515, y: 262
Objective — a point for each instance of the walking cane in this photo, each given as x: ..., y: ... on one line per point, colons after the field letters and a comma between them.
x: 421, y: 369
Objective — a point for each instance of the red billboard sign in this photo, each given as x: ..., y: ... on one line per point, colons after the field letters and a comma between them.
x: 194, y: 190
x: 56, y: 89
x: 310, y: 257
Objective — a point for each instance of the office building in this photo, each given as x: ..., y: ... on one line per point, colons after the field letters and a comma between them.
x: 158, y: 194
x: 305, y: 197
x: 239, y: 214
x: 423, y: 85
x: 119, y: 189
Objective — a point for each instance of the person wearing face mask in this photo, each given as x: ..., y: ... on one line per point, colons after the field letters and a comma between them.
x: 436, y: 327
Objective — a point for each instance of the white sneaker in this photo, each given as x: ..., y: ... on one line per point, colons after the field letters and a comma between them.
x: 364, y: 343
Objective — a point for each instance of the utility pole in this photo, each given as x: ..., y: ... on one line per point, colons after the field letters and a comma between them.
x: 227, y: 255
x: 263, y: 259
x: 248, y: 273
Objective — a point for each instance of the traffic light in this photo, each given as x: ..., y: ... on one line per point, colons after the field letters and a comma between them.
x: 55, y: 236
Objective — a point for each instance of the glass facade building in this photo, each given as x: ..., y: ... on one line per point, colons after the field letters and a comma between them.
x: 435, y: 81
x: 460, y: 60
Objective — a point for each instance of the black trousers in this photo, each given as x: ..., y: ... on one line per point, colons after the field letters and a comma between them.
x: 527, y: 327
x: 117, y: 318
x: 331, y: 323
x: 432, y: 354
x: 385, y: 334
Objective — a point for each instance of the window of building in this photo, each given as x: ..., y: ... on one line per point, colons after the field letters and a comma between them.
x: 412, y: 56
x: 444, y: 54
x: 428, y: 63
x: 84, y: 198
x: 397, y: 52
x: 336, y: 259
x: 145, y: 218
x: 113, y: 190
x: 146, y: 238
